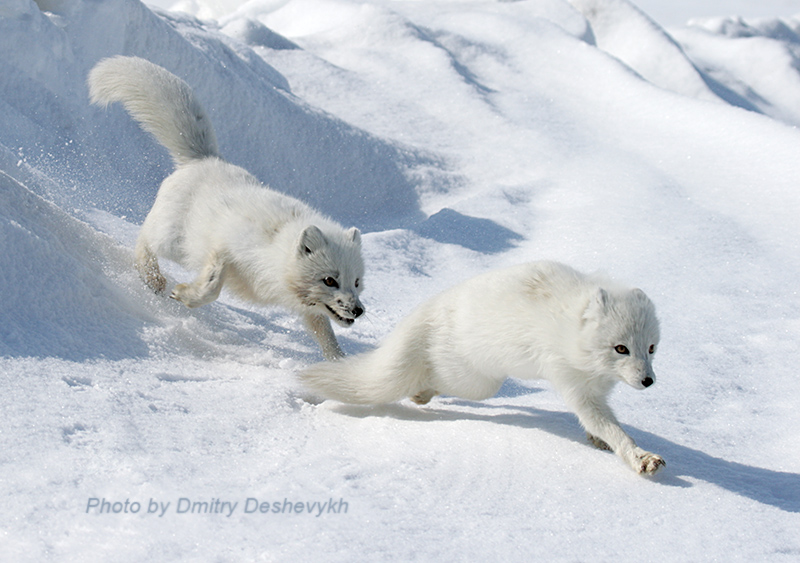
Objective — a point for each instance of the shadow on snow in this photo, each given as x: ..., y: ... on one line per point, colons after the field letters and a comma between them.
x: 775, y: 488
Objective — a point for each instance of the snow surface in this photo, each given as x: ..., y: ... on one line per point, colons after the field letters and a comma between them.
x: 460, y: 136
x: 679, y: 12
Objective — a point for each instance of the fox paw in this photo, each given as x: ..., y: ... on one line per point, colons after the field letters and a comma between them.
x: 648, y: 463
x: 158, y: 285
x: 424, y: 397
x: 155, y: 281
x: 180, y: 293
x: 598, y: 443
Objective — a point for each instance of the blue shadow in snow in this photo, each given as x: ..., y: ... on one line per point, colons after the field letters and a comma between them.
x: 775, y: 488
x: 481, y: 235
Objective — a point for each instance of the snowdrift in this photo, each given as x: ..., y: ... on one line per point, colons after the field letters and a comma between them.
x: 59, y: 297
x: 47, y: 56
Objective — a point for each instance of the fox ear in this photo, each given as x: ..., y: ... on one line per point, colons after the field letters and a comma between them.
x: 311, y: 240
x: 354, y: 235
x: 597, y: 305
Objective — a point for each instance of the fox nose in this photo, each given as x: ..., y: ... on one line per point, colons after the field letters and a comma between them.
x: 357, y: 312
x: 647, y: 381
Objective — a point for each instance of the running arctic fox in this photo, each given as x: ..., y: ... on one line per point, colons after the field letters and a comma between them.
x: 216, y: 219
x: 538, y: 320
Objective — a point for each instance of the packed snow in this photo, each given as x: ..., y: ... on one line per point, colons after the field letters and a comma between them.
x: 460, y: 136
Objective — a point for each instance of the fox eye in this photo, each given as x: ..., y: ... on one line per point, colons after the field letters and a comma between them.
x: 358, y: 281
x: 652, y: 349
x: 620, y: 349
x: 330, y: 282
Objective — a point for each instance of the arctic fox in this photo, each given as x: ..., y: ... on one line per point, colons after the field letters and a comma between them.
x: 217, y: 220
x: 537, y: 320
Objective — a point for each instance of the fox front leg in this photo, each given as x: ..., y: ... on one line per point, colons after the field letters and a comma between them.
x: 320, y: 328
x: 206, y: 287
x: 605, y: 433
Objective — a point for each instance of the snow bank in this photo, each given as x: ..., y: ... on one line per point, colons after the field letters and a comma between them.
x: 757, y: 59
x: 623, y: 31
x: 267, y: 130
x: 58, y: 299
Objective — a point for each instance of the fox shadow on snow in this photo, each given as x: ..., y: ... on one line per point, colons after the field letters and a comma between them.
x: 481, y: 235
x: 775, y: 488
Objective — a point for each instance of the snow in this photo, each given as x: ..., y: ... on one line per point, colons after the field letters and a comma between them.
x: 675, y: 13
x: 460, y: 136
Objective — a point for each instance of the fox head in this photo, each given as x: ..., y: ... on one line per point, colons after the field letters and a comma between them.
x: 328, y: 271
x: 621, y: 335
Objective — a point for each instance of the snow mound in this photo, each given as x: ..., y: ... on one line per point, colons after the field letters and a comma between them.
x: 59, y: 299
x: 355, y: 177
x: 623, y: 31
x: 756, y: 58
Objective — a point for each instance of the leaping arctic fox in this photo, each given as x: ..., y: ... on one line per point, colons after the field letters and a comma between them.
x: 218, y: 220
x: 538, y: 320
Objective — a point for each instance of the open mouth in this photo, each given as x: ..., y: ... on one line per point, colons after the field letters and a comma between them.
x: 340, y: 318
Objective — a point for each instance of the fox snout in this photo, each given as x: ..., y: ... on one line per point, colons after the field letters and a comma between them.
x: 352, y: 306
x: 647, y: 377
x: 345, y: 311
x: 640, y: 375
x: 355, y: 310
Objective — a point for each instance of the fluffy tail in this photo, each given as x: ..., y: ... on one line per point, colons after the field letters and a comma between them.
x: 162, y: 103
x: 369, y: 378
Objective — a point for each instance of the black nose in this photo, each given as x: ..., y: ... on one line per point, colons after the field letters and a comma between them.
x: 357, y: 312
x: 647, y: 381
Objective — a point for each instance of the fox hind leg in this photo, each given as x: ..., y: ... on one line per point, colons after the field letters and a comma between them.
x: 147, y: 266
x: 598, y: 443
x: 424, y: 397
x: 206, y: 287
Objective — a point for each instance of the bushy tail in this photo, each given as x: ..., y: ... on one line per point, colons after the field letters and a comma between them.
x: 162, y: 103
x: 370, y: 378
